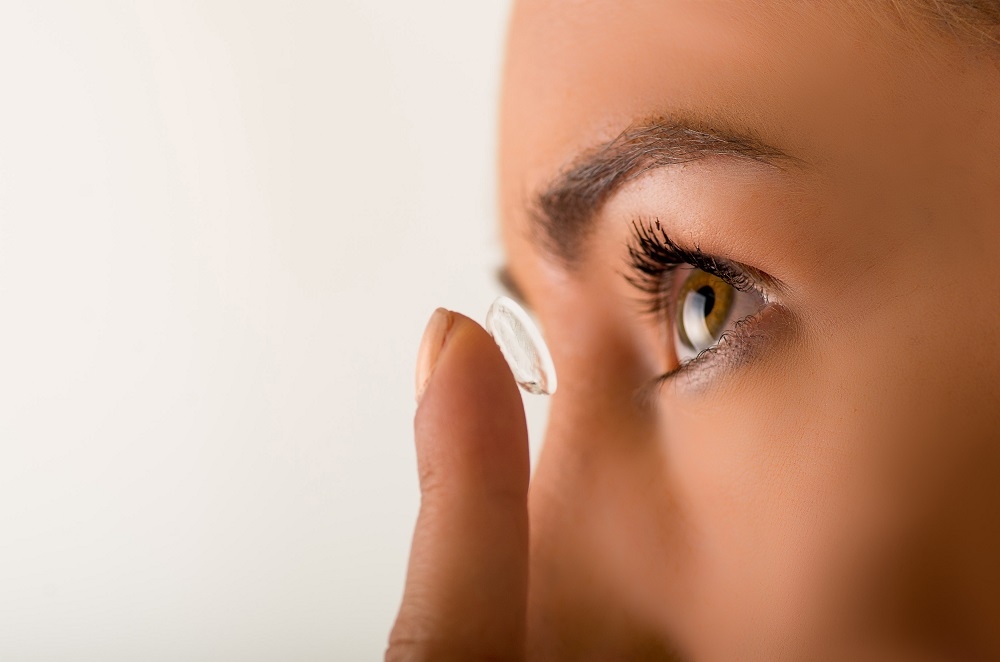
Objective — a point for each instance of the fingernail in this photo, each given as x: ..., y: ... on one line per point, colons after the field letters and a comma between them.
x: 435, y: 336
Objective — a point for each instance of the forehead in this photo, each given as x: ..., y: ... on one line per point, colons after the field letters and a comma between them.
x: 579, y: 72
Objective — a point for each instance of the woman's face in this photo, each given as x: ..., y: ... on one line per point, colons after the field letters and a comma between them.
x: 829, y: 471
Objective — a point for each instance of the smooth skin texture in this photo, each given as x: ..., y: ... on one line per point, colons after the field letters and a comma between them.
x: 832, y: 494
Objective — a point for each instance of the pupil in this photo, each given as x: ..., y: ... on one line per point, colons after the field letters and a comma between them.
x: 709, y: 295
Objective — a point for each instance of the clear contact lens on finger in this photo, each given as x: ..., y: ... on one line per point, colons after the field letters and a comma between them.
x: 522, y: 345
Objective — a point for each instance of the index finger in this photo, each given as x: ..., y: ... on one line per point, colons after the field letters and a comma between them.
x: 466, y: 586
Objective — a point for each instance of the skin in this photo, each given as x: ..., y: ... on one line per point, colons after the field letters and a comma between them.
x: 831, y: 495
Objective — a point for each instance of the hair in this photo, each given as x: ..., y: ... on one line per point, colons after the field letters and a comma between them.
x: 977, y: 19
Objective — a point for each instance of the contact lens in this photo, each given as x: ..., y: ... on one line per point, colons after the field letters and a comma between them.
x: 522, y: 346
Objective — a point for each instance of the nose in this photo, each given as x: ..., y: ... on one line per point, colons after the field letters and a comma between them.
x: 595, y: 509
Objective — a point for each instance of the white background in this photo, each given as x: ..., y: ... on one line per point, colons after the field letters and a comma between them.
x: 222, y: 228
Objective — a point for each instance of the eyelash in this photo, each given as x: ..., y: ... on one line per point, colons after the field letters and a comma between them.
x: 654, y: 257
x: 653, y: 261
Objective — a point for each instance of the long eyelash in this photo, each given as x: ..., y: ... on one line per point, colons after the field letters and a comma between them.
x: 654, y: 257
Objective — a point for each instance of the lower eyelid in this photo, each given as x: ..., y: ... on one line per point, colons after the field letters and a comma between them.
x: 745, y: 343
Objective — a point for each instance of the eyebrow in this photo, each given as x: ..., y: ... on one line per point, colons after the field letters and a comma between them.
x: 563, y: 214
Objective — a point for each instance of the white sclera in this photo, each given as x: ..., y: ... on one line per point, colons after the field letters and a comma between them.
x: 522, y: 345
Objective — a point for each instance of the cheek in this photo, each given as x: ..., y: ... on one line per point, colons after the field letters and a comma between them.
x: 791, y: 511
x: 817, y: 483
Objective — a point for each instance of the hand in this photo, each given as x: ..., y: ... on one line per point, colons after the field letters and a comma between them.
x: 467, y: 582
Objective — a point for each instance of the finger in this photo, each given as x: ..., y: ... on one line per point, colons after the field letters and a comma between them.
x: 466, y: 586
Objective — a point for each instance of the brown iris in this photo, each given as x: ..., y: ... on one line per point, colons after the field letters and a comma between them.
x: 703, y: 306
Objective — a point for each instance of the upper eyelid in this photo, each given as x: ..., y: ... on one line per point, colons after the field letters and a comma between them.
x: 646, y: 236
x: 652, y: 259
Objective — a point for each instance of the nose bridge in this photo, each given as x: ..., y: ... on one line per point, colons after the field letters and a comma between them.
x: 596, y: 429
x: 592, y: 418
x: 596, y: 399
x: 595, y: 504
x: 597, y: 435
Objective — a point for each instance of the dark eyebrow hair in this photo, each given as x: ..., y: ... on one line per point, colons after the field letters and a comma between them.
x: 562, y: 215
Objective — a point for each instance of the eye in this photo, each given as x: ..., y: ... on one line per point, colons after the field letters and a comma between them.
x: 706, y: 308
x: 701, y: 302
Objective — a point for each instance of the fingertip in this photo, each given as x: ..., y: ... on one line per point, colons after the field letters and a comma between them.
x: 472, y: 356
x: 471, y: 411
